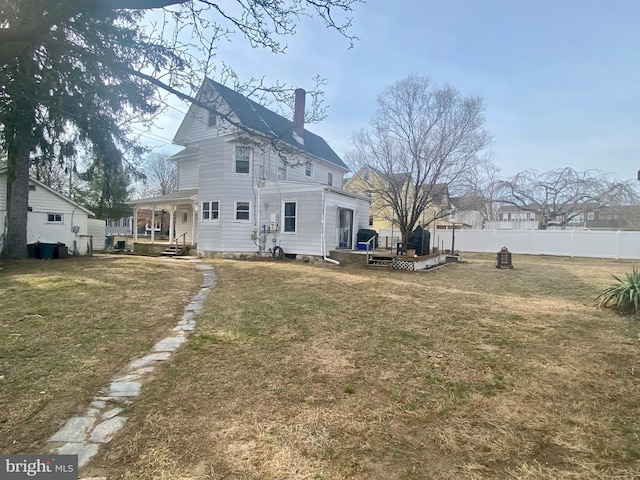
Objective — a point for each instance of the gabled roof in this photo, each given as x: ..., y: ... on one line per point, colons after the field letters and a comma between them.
x: 260, y: 119
x: 57, y: 194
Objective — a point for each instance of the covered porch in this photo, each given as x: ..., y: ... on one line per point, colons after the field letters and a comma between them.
x: 165, y: 222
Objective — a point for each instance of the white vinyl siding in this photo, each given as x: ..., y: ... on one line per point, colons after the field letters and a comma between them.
x: 188, y: 173
x: 307, y: 198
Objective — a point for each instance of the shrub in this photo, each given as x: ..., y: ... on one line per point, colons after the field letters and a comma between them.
x: 624, y: 295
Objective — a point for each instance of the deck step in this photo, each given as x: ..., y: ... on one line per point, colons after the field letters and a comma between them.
x: 380, y: 261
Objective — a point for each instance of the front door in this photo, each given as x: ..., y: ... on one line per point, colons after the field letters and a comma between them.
x: 344, y: 228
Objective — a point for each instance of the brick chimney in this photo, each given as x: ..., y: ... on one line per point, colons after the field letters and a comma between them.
x: 298, y: 115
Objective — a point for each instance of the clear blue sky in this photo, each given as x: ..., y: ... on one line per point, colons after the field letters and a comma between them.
x: 561, y: 79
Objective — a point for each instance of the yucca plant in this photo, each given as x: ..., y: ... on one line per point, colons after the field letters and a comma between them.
x: 623, y: 296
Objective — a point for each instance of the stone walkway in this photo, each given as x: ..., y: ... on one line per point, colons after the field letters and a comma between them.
x: 101, y: 421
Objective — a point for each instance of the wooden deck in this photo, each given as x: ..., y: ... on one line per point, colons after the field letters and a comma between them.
x: 386, y: 259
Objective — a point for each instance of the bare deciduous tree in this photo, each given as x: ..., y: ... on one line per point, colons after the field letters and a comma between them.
x: 422, y: 136
x: 560, y: 195
x: 161, y: 176
x: 481, y: 190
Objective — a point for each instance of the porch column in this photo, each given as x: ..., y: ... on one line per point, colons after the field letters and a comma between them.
x: 153, y: 224
x: 172, y: 209
x: 194, y: 219
x: 135, y: 224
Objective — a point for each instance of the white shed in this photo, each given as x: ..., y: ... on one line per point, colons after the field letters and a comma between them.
x: 52, y: 217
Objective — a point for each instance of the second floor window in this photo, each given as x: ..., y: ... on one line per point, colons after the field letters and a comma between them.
x: 308, y: 169
x: 282, y: 170
x: 242, y: 161
x: 330, y: 179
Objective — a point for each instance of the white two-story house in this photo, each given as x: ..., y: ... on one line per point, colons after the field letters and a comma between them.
x: 250, y: 180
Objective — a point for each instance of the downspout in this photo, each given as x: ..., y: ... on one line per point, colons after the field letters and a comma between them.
x: 324, y: 223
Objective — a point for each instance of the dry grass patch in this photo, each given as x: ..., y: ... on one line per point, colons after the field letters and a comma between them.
x: 67, y: 326
x: 467, y: 372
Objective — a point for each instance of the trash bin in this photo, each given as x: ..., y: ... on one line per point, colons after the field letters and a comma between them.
x: 46, y: 251
x: 365, y: 234
x: 419, y: 240
x: 120, y: 244
x: 33, y: 250
x: 61, y: 251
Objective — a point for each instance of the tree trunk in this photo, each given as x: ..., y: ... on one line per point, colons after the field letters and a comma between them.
x: 15, y: 244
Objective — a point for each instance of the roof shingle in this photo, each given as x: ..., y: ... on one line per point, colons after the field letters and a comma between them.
x: 256, y: 117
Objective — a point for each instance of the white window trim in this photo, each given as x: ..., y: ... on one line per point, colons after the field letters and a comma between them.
x: 308, y: 165
x: 235, y: 157
x: 55, y: 222
x: 202, y: 210
x: 330, y: 179
x: 235, y: 212
x: 282, y: 215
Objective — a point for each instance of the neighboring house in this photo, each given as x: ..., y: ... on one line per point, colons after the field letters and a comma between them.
x: 369, y: 181
x: 607, y: 218
x: 119, y: 226
x: 250, y: 180
x: 54, y: 218
x: 125, y: 226
x: 468, y: 211
x: 511, y: 217
x: 595, y: 217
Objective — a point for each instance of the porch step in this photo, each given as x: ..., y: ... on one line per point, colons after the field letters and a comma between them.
x: 174, y: 250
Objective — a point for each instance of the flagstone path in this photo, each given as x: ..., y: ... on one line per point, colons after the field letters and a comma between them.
x: 101, y: 421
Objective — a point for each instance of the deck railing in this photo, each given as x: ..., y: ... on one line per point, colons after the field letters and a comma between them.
x: 371, y: 247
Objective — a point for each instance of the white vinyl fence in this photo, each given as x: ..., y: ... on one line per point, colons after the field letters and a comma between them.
x: 566, y: 243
